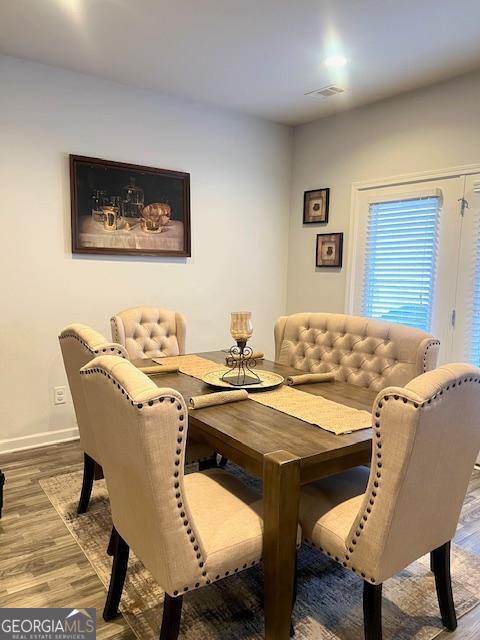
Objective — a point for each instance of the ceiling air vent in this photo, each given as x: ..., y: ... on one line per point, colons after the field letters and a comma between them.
x: 325, y: 92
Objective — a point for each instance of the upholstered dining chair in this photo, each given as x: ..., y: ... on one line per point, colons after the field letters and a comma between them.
x: 426, y: 437
x: 80, y: 344
x: 361, y: 351
x: 149, y: 332
x: 188, y: 530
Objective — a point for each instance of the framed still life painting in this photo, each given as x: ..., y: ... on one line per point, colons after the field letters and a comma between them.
x: 127, y: 209
x: 315, y: 206
x: 329, y: 249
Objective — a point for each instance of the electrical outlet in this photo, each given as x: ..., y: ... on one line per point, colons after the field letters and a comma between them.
x: 59, y: 394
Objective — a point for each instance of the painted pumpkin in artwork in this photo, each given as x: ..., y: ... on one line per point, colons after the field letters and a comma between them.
x: 155, y: 216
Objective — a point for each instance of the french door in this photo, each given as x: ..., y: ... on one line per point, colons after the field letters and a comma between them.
x: 415, y: 259
x: 466, y: 329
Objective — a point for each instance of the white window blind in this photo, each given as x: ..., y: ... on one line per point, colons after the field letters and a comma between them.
x: 475, y: 337
x: 401, y: 254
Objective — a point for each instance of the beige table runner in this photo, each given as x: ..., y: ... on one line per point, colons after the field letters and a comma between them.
x: 331, y: 416
x: 191, y: 365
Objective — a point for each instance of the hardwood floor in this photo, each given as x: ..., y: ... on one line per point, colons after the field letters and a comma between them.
x: 41, y: 564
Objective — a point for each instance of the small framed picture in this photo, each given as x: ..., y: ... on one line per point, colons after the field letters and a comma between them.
x: 329, y: 249
x: 315, y: 206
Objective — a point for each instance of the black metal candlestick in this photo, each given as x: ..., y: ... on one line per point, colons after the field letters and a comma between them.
x: 241, y: 364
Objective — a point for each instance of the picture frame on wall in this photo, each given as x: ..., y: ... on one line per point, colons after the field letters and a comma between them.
x: 329, y: 250
x: 126, y: 209
x: 316, y: 204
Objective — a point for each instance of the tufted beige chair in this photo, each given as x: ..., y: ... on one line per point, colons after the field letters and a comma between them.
x: 79, y: 344
x: 426, y: 437
x: 149, y: 332
x: 361, y: 351
x: 189, y: 530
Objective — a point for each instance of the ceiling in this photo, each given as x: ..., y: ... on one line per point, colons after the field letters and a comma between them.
x: 256, y: 56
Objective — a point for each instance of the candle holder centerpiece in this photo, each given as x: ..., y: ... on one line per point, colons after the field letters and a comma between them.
x: 239, y: 357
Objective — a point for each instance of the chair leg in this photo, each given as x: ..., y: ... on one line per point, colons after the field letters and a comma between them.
x: 98, y: 473
x: 111, y: 543
x: 88, y: 477
x: 172, y: 614
x: 117, y: 579
x: 210, y: 463
x: 372, y: 611
x: 2, y: 482
x: 443, y: 582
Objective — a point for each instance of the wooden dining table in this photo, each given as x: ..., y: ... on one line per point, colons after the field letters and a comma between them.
x: 285, y: 453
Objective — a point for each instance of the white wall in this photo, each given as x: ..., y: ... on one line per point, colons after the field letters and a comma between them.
x: 240, y: 188
x: 434, y: 128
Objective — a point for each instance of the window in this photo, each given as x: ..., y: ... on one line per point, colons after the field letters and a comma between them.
x: 400, y: 260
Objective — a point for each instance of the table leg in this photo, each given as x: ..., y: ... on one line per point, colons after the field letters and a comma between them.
x: 281, y: 493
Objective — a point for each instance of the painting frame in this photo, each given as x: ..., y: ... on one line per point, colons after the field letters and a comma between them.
x: 77, y: 161
x: 313, y: 198
x: 329, y: 242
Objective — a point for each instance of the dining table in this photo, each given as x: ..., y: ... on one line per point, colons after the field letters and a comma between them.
x: 285, y: 453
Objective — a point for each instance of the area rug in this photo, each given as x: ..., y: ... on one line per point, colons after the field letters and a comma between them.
x: 329, y: 602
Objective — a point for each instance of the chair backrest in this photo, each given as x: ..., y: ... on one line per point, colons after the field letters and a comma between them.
x: 142, y: 442
x: 79, y: 344
x: 361, y: 351
x: 426, y: 437
x: 149, y: 332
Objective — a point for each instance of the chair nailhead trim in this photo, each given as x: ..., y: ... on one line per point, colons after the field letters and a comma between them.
x: 139, y: 405
x: 90, y: 350
x: 226, y: 573
x: 433, y: 343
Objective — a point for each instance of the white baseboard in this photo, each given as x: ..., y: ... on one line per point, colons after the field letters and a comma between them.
x: 38, y: 440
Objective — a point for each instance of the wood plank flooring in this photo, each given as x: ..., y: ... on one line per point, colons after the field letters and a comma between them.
x: 41, y: 564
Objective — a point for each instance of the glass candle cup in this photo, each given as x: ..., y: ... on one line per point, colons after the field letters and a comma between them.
x: 241, y: 327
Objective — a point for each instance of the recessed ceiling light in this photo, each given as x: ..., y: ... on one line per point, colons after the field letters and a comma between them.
x: 335, y: 61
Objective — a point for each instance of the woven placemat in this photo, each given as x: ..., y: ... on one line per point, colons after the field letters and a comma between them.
x: 331, y: 416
